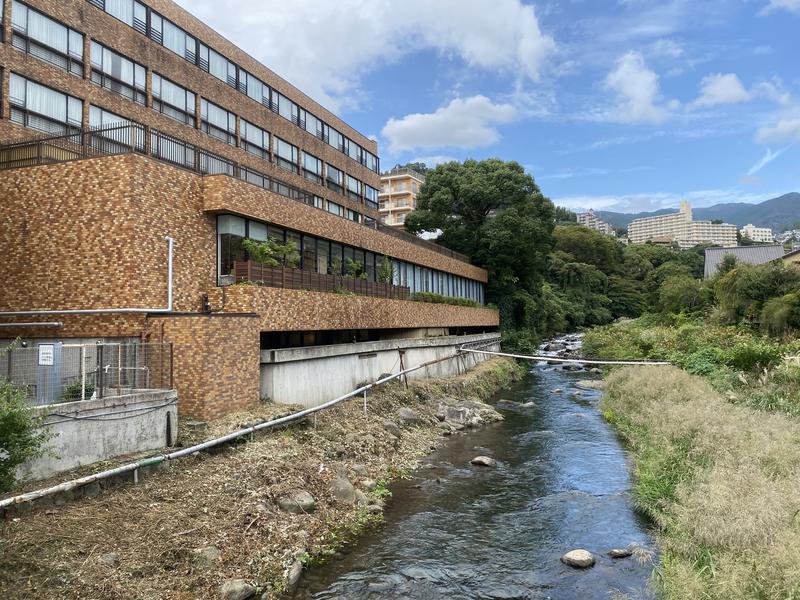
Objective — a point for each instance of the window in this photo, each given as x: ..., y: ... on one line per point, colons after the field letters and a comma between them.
x: 334, y: 138
x: 334, y: 178
x: 39, y: 107
x: 231, y: 232
x: 352, y: 150
x: 371, y: 162
x: 323, y: 256
x: 319, y: 202
x: 354, y: 216
x: 312, y: 168
x: 118, y: 74
x: 285, y: 107
x: 286, y: 155
x: 254, y: 87
x: 354, y: 188
x: 370, y: 196
x: 255, y: 140
x: 414, y: 187
x: 309, y: 253
x: 173, y: 100
x: 172, y: 37
x: 46, y: 39
x: 219, y: 66
x: 128, y: 11
x: 336, y: 209
x: 312, y: 124
x: 217, y: 122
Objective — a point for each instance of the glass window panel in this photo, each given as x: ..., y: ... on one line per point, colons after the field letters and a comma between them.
x: 323, y: 256
x: 309, y: 253
x: 257, y: 231
x: 121, y: 9
x: 337, y: 259
x: 230, y: 234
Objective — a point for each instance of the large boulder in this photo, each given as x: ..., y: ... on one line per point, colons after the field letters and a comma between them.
x: 392, y: 428
x: 408, y: 416
x: 297, y: 501
x: 483, y: 461
x: 236, y: 589
x: 343, y: 490
x: 579, y: 559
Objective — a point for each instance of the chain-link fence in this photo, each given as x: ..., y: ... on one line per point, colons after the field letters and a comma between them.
x: 56, y: 372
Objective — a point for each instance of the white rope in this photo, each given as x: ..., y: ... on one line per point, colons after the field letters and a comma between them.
x: 583, y: 361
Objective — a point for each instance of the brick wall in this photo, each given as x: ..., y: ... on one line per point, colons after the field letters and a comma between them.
x: 302, y: 310
x: 216, y: 362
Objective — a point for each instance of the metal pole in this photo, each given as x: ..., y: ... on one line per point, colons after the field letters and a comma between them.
x: 365, y: 403
x: 83, y: 372
x: 100, y: 371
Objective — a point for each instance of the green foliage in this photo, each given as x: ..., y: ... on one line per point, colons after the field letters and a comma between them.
x: 681, y: 293
x: 780, y: 315
x: 271, y: 253
x: 385, y: 270
x: 440, y: 299
x: 564, y: 216
x: 589, y: 246
x: 354, y: 269
x: 72, y: 392
x: 335, y: 267
x: 21, y: 435
x: 742, y: 292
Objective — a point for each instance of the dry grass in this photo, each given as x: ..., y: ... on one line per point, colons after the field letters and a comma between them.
x: 721, y: 482
x: 227, y: 500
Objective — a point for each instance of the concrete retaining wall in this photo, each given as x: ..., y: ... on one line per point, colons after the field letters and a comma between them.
x: 311, y: 376
x: 93, y: 430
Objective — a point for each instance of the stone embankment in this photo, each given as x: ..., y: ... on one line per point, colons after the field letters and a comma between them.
x: 245, y: 522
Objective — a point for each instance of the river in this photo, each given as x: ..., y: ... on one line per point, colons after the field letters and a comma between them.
x: 458, y: 531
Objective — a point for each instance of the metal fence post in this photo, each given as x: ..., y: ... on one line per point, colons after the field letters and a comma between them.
x: 171, y: 366
x: 100, y: 371
x: 83, y: 372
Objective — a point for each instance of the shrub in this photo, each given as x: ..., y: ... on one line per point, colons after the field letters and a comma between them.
x: 752, y: 356
x: 72, y: 392
x: 21, y: 435
x: 781, y: 314
x: 440, y: 299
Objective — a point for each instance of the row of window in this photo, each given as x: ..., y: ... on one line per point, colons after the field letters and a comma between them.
x: 164, y: 32
x: 327, y: 257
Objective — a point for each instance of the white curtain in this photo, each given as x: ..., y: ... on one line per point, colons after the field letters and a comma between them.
x: 174, y: 38
x: 122, y: 9
x: 45, y: 101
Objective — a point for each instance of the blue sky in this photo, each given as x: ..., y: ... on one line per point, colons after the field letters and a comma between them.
x: 618, y: 104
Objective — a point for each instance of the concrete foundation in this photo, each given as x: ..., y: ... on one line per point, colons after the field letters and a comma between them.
x: 312, y: 376
x: 93, y: 430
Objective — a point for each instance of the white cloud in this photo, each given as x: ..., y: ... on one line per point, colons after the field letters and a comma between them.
x: 775, y: 5
x: 433, y: 161
x: 787, y: 129
x: 666, y: 48
x: 636, y: 87
x: 325, y: 47
x: 464, y: 123
x: 721, y: 88
x: 773, y: 90
x: 768, y: 157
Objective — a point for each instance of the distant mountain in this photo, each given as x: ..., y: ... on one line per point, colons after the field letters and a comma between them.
x: 779, y: 213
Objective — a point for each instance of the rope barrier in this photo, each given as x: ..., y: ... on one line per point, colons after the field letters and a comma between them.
x: 583, y: 361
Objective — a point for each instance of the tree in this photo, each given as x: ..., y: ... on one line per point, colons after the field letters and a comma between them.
x: 589, y: 246
x: 680, y: 293
x: 271, y: 253
x: 565, y: 216
x: 493, y: 212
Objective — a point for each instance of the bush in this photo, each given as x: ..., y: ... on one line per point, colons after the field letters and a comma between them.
x: 781, y: 314
x: 21, y: 435
x: 72, y: 392
x: 440, y: 299
x: 752, y: 356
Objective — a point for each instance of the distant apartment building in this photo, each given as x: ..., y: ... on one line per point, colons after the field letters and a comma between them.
x: 592, y: 221
x: 679, y: 227
x: 398, y: 194
x: 757, y: 234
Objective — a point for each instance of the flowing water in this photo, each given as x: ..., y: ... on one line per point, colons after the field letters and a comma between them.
x: 465, y: 532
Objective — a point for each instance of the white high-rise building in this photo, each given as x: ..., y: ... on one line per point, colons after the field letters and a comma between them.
x: 679, y: 227
x: 592, y: 221
x: 757, y: 234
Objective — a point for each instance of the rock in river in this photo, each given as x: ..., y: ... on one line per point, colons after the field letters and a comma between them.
x: 620, y: 552
x: 297, y: 501
x: 580, y: 559
x: 483, y: 461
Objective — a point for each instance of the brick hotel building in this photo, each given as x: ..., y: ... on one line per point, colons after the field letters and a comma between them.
x: 126, y: 123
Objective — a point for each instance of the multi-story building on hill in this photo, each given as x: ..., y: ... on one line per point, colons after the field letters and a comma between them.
x: 679, y: 227
x: 757, y: 234
x: 398, y: 194
x: 140, y: 149
x: 592, y: 221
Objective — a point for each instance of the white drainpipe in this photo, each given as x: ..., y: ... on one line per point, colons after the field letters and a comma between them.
x: 102, y: 311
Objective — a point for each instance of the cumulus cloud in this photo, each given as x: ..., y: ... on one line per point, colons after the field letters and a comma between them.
x: 775, y: 5
x: 721, y: 88
x: 768, y: 157
x: 637, y: 90
x: 787, y: 129
x: 463, y: 123
x: 325, y: 48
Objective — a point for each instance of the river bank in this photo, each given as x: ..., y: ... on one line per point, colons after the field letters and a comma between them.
x: 245, y: 519
x: 716, y: 458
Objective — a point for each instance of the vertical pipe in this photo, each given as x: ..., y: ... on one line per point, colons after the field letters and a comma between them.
x: 83, y: 372
x: 171, y: 243
x: 171, y: 366
x: 100, y: 371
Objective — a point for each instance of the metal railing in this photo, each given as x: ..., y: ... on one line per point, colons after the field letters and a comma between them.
x: 130, y: 137
x: 296, y: 279
x: 404, y: 171
x: 52, y: 373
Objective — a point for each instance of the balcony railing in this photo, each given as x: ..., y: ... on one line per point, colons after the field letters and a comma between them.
x: 295, y: 279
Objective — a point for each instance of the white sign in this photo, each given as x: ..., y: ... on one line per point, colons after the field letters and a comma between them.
x: 46, y: 355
